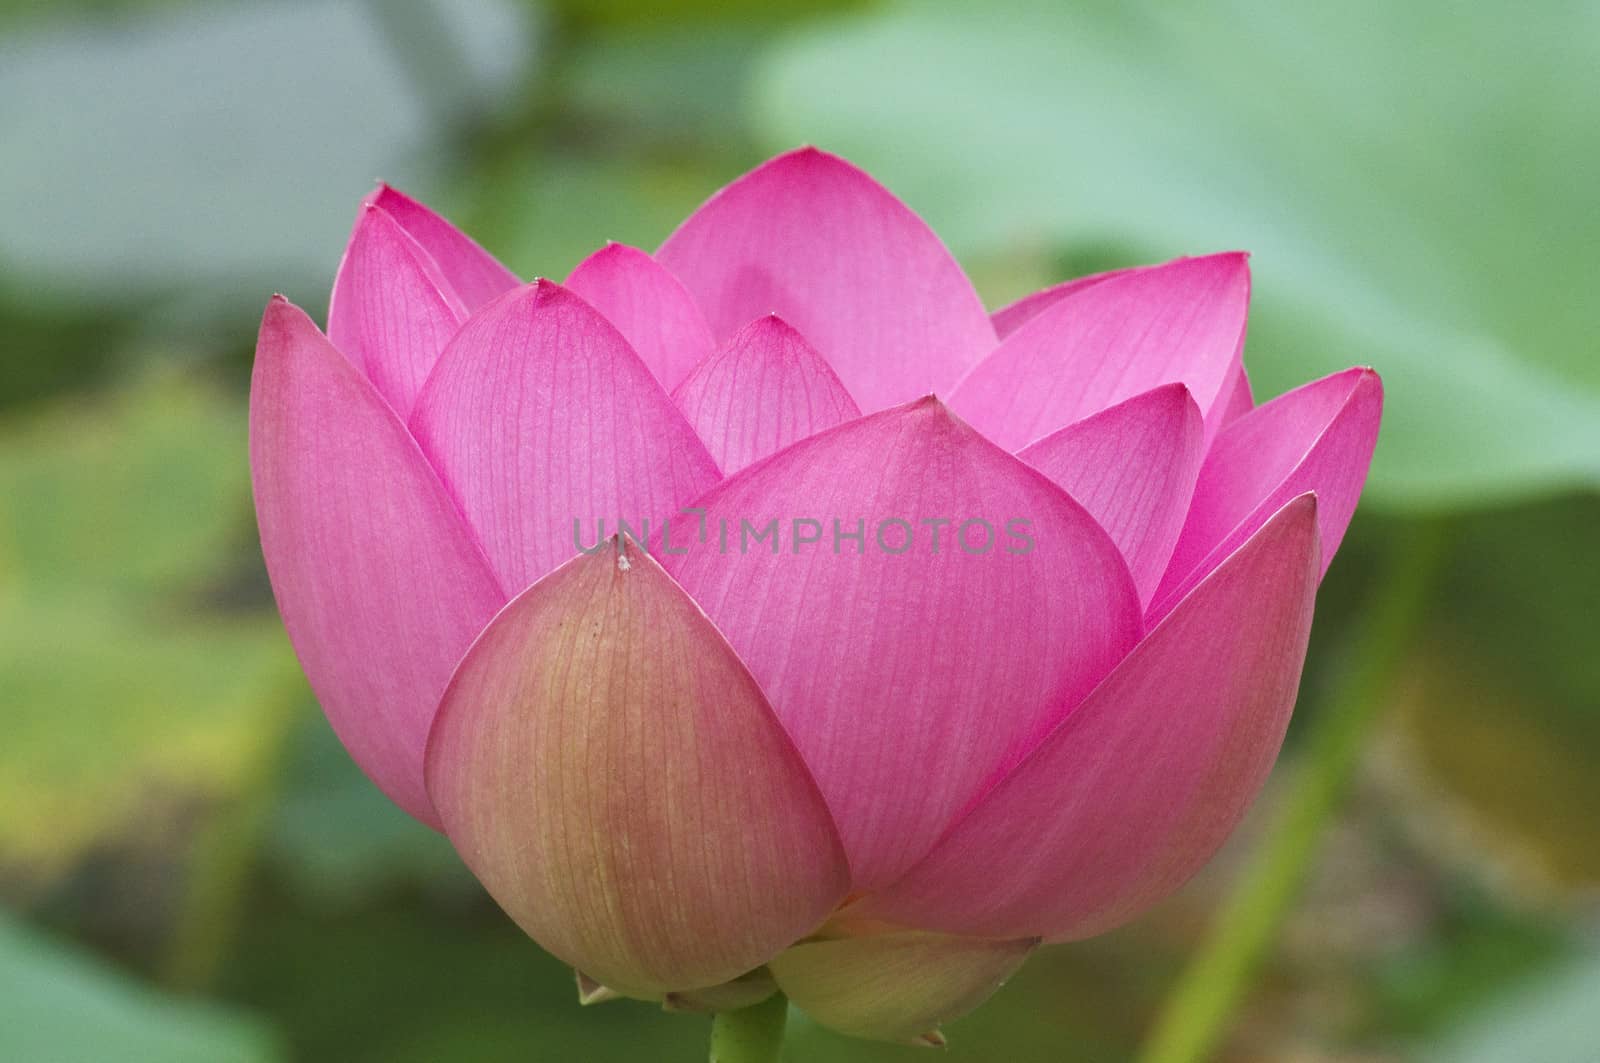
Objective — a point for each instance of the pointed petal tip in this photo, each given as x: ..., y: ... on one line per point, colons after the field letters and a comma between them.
x: 592, y: 992
x: 1234, y: 261
x: 1176, y: 393
x: 385, y: 195
x: 933, y: 415
x: 537, y: 292
x: 815, y: 159
x: 611, y: 249
x: 772, y: 322
x: 282, y: 315
x: 931, y: 1039
x: 806, y: 151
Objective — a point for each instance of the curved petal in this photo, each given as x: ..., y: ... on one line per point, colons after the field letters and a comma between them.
x: 1013, y: 316
x: 898, y: 986
x: 765, y: 390
x: 1240, y: 400
x: 544, y: 423
x: 650, y: 307
x: 379, y: 580
x: 1318, y: 437
x: 473, y: 274
x: 611, y: 772
x: 1133, y: 467
x: 1122, y: 803
x: 1182, y: 322
x: 813, y: 239
x: 391, y: 312
x: 919, y: 606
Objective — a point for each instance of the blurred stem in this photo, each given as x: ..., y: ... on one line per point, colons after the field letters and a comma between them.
x: 1196, y: 1013
x: 750, y: 1035
x: 222, y: 856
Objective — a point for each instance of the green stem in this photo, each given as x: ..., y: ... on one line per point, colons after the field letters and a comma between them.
x: 750, y: 1035
x: 1196, y: 1013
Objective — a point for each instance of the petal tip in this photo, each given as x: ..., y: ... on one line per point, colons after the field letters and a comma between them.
x: 282, y: 316
x: 592, y: 992
x: 611, y: 249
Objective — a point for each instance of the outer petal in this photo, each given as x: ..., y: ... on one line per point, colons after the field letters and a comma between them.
x: 544, y: 423
x: 908, y: 674
x: 1133, y: 467
x: 765, y: 390
x: 899, y: 986
x: 1135, y: 791
x: 649, y: 306
x: 813, y: 239
x: 1318, y: 437
x: 475, y: 275
x: 379, y: 580
x: 613, y: 775
x: 1013, y: 316
x: 1109, y: 341
x: 392, y: 312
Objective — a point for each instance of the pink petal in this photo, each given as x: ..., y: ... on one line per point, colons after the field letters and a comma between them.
x: 474, y: 274
x: 1013, y: 316
x: 379, y: 581
x: 1127, y: 799
x: 1182, y: 322
x: 1240, y: 400
x: 899, y: 986
x: 765, y: 390
x: 650, y: 307
x: 1133, y: 467
x: 908, y: 675
x: 544, y: 423
x: 613, y: 775
x: 1318, y: 437
x: 392, y: 312
x: 811, y: 238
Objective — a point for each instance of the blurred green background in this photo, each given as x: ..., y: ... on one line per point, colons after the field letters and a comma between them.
x: 192, y: 870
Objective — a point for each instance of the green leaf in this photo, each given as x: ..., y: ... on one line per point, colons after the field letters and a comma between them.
x: 337, y: 840
x: 136, y: 679
x: 1548, y: 1019
x: 228, y: 143
x: 1415, y: 181
x: 57, y: 1006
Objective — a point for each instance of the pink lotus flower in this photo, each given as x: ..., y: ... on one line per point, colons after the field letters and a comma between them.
x: 866, y: 765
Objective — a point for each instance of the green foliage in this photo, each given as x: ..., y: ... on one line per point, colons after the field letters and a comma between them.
x: 1412, y: 178
x: 1548, y: 1019
x: 229, y: 142
x: 57, y: 1006
x: 1492, y: 748
x: 133, y: 687
x: 405, y: 980
x: 336, y: 841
